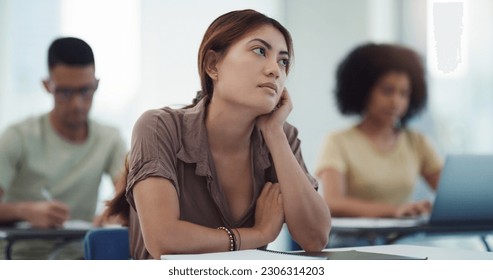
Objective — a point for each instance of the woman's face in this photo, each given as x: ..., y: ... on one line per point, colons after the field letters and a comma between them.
x: 253, y: 71
x: 389, y: 98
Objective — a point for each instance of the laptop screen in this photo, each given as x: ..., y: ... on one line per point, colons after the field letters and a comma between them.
x: 465, y: 191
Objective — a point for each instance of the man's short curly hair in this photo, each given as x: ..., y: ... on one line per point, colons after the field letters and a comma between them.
x: 359, y: 72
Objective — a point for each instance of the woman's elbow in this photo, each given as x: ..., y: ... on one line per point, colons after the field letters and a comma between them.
x: 316, y: 244
x: 157, y: 251
x: 322, y: 241
x: 157, y: 247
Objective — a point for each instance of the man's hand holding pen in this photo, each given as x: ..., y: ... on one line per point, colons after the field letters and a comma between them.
x: 45, y: 214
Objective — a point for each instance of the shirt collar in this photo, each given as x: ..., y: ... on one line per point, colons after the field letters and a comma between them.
x: 195, y: 145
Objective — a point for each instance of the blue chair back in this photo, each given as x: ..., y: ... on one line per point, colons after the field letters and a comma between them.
x: 107, y: 244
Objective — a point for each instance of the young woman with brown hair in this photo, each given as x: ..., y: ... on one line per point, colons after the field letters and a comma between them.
x: 226, y: 172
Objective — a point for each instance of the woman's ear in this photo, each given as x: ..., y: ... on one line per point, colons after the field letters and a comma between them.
x: 211, y: 60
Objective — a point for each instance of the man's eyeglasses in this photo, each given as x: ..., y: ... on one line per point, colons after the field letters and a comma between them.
x: 67, y: 93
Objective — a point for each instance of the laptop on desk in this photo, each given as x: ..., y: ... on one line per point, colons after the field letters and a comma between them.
x: 465, y: 192
x: 464, y: 199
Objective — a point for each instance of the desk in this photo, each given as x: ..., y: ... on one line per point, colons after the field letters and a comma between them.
x: 413, y: 251
x: 432, y: 253
x: 374, y: 228
x: 13, y: 234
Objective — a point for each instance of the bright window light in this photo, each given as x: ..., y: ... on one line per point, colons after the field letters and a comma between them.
x: 447, y: 49
x: 112, y: 28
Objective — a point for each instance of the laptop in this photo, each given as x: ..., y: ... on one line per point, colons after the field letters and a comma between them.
x: 464, y: 198
x: 465, y: 192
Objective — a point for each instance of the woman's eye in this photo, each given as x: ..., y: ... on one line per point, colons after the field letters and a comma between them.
x: 284, y: 62
x: 259, y: 51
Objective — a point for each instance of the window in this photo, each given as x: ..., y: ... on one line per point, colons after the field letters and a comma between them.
x: 461, y: 69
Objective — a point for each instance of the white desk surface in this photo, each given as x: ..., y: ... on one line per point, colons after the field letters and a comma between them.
x: 432, y: 253
x: 422, y: 252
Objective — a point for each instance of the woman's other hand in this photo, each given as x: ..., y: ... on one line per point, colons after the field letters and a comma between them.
x: 413, y: 209
x: 269, y: 212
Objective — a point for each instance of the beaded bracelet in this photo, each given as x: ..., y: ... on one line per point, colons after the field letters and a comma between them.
x: 237, y: 241
x: 232, y: 237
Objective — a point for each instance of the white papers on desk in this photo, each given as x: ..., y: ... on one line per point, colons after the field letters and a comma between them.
x: 378, y: 222
x: 70, y: 224
x: 239, y: 255
x: 77, y: 224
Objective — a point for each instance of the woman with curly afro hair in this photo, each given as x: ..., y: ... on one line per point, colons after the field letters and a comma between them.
x: 370, y: 169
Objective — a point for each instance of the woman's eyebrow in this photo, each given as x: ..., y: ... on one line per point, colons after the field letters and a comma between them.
x: 267, y: 45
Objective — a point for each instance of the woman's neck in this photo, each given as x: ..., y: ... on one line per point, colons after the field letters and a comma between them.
x: 383, y: 137
x: 376, y: 129
x: 228, y: 129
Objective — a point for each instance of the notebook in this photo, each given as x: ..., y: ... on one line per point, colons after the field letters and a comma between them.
x: 353, y: 255
x: 240, y: 255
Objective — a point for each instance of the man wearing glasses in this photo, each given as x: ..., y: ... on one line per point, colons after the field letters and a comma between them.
x: 51, y: 165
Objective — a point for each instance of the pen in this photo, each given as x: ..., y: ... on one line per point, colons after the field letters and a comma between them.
x: 46, y: 194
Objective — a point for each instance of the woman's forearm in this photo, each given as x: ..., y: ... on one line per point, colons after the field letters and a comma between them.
x: 306, y: 213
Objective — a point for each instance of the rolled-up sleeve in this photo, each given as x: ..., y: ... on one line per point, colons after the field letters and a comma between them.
x: 153, y: 150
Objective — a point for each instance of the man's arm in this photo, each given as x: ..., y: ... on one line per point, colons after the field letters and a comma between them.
x: 38, y: 213
x: 41, y: 214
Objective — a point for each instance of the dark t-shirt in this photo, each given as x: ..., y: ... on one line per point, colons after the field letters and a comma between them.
x: 172, y: 144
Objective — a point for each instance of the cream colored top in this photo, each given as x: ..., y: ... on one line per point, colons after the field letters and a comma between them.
x: 374, y: 175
